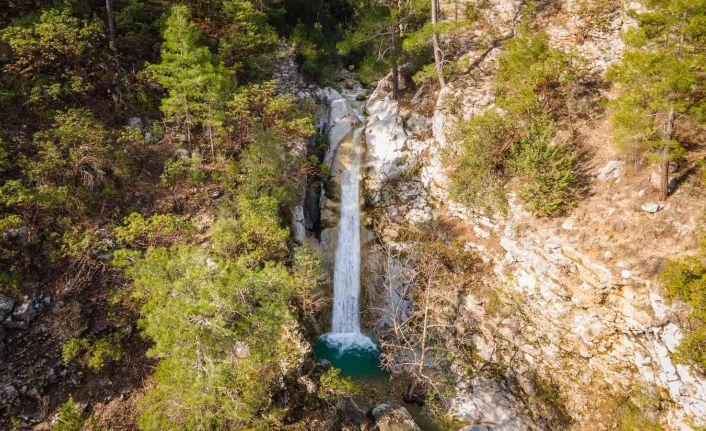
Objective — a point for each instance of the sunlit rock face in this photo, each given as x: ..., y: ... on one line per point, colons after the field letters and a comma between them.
x: 581, y: 302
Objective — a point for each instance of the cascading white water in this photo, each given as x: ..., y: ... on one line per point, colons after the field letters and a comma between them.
x: 345, y: 346
x: 346, y: 273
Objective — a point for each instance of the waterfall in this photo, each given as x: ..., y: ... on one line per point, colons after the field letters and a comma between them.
x: 345, y: 346
x: 346, y: 273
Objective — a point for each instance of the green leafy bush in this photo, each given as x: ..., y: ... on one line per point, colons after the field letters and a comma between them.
x: 333, y: 386
x: 159, y: 229
x: 93, y: 354
x: 634, y: 419
x: 9, y: 221
x: 55, y: 39
x: 545, y: 169
x: 535, y: 80
x: 314, y: 51
x: 179, y: 168
x: 71, y: 417
x: 519, y: 142
x: 685, y: 280
x: 660, y: 78
x: 255, y: 236
x: 637, y: 410
x: 478, y: 179
x: 219, y: 333
x: 78, y: 244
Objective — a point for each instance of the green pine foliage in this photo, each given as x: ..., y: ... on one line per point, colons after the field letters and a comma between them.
x: 478, y: 180
x: 663, y: 70
x: 685, y: 280
x: 417, y: 44
x: 247, y: 40
x: 535, y: 81
x: 518, y: 144
x: 222, y: 328
x: 362, y: 41
x: 59, y: 39
x: 312, y: 51
x: 93, y: 354
x: 160, y: 229
x: 263, y: 126
x: 71, y: 416
x: 545, y: 168
x: 76, y: 183
x: 334, y: 387
x: 196, y: 84
x: 379, y: 34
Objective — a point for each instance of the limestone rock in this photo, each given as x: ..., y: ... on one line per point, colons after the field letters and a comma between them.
x: 656, y: 181
x: 351, y: 417
x: 486, y: 401
x: 135, y: 123
x: 651, y: 207
x: 477, y: 428
x: 609, y: 170
x: 298, y: 227
x: 391, y: 418
x: 6, y: 306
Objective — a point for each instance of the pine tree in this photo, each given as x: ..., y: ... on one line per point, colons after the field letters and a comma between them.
x: 661, y: 80
x: 247, y: 39
x: 438, y: 62
x: 380, y: 32
x: 196, y: 85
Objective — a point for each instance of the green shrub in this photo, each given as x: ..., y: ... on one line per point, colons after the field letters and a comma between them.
x: 634, y: 411
x: 333, y: 386
x: 71, y: 417
x: 180, y: 168
x: 73, y: 348
x: 9, y: 282
x: 159, y: 229
x: 685, y: 280
x: 314, y: 51
x: 546, y: 171
x: 478, y: 178
x: 535, y: 80
x: 220, y: 334
x: 77, y: 244
x: 93, y: 355
x: 9, y: 221
x: 532, y: 90
x: 255, y: 236
x: 633, y: 419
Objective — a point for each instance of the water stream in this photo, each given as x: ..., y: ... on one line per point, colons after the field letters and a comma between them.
x: 346, y: 346
x: 346, y: 273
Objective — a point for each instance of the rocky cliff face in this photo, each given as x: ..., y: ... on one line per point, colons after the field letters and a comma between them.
x: 575, y: 299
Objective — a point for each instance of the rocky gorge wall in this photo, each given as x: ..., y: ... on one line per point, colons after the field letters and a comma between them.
x: 576, y: 300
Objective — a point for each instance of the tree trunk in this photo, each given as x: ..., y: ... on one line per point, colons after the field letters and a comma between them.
x: 395, y: 65
x: 187, y: 126
x: 435, y: 40
x: 667, y: 138
x: 409, y: 392
x: 112, y: 34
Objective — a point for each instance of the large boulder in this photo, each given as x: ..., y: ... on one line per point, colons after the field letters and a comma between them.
x: 351, y: 417
x: 393, y: 418
x: 6, y: 306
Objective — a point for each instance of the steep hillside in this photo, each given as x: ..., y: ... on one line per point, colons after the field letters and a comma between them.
x: 571, y: 329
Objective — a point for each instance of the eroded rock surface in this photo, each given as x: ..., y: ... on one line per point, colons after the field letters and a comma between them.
x: 579, y: 302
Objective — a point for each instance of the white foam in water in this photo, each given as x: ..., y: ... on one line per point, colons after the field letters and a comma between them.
x: 346, y: 273
x: 349, y: 341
